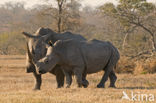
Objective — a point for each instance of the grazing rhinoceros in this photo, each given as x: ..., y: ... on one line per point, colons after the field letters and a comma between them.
x: 37, y: 50
x: 81, y: 58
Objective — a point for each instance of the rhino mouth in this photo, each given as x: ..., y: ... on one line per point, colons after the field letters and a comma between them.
x: 42, y: 71
x: 29, y: 71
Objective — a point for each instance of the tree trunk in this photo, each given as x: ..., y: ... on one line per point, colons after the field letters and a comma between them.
x: 131, y: 29
x: 60, y: 5
x: 153, y: 40
x: 59, y: 23
x: 124, y: 41
x: 153, y: 36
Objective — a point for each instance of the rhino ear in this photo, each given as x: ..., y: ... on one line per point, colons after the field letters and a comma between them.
x: 47, y: 45
x: 50, y: 43
x: 28, y: 35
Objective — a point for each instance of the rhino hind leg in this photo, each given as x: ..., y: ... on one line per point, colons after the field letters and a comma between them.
x: 108, y: 70
x: 113, y: 79
x: 85, y: 83
x: 38, y: 80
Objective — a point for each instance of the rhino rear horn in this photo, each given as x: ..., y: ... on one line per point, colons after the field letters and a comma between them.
x: 46, y: 37
x: 28, y: 35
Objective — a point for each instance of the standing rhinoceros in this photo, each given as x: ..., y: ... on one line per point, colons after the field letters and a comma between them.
x: 81, y: 58
x: 37, y: 50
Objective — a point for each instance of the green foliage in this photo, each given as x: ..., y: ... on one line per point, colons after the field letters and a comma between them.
x: 132, y: 14
x: 128, y: 11
x: 12, y: 43
x: 111, y: 26
x: 108, y: 8
x: 3, y: 38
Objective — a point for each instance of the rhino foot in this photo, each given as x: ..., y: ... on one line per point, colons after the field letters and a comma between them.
x: 85, y: 83
x: 67, y: 86
x: 100, y: 86
x: 35, y: 89
x: 60, y: 85
x: 112, y: 86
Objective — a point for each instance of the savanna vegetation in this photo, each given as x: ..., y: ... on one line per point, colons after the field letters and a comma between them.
x: 130, y: 26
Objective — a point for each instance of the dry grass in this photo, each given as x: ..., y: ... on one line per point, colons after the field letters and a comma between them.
x: 16, y: 87
x: 12, y: 61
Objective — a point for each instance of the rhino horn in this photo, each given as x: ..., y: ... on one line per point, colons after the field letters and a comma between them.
x: 28, y: 35
x: 28, y: 51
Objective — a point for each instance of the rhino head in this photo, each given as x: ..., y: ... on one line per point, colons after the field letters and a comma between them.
x: 47, y: 63
x: 36, y: 48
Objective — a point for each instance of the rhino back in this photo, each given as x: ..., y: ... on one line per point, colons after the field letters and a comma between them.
x: 96, y: 55
x: 42, y: 31
x: 69, y: 35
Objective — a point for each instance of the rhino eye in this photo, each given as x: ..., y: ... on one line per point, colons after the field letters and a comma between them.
x: 46, y: 61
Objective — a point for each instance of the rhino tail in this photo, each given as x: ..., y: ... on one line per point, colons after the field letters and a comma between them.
x: 116, y: 66
x: 113, y: 61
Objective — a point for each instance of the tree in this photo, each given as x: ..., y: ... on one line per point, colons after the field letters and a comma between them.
x: 71, y: 16
x: 66, y: 14
x: 133, y: 14
x: 60, y: 8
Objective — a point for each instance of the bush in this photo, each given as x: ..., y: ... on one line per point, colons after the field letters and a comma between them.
x: 125, y: 65
x: 12, y: 43
x: 138, y: 65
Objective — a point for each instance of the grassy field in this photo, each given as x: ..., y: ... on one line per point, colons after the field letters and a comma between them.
x: 16, y: 86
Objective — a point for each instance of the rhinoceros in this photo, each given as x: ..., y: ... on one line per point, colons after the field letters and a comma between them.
x: 37, y: 50
x: 81, y: 58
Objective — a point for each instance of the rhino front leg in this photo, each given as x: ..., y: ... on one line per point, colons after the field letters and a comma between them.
x: 60, y: 80
x: 78, y: 74
x: 38, y: 80
x: 68, y: 76
x: 113, y: 79
x: 59, y: 77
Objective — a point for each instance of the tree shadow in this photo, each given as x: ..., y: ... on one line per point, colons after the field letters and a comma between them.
x: 138, y: 87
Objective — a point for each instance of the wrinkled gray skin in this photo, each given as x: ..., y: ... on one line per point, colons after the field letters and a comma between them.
x: 81, y: 58
x: 36, y: 50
